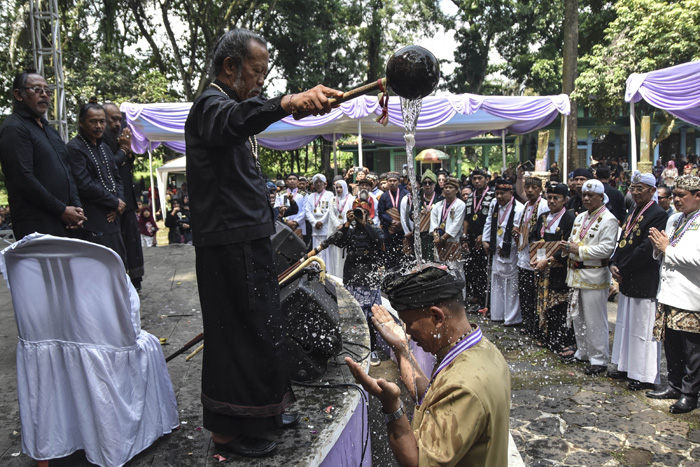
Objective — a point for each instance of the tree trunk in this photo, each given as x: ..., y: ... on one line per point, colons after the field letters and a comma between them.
x: 570, y: 51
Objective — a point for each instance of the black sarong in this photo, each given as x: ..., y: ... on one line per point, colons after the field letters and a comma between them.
x: 245, y: 382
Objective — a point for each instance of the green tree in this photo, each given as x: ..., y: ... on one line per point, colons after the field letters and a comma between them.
x: 645, y: 36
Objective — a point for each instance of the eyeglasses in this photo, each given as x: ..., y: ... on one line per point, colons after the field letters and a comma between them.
x: 40, y: 90
x: 664, y: 197
x: 428, y: 182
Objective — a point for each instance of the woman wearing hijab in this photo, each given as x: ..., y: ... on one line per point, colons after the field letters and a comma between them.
x: 669, y: 174
x: 341, y: 204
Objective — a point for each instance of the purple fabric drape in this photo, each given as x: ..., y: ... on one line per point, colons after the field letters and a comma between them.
x: 675, y: 89
x: 443, y: 120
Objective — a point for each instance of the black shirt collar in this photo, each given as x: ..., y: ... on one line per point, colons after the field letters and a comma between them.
x: 25, y: 113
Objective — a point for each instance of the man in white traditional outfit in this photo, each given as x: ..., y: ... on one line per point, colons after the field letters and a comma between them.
x: 678, y: 317
x: 527, y: 285
x: 589, y: 248
x: 340, y: 205
x: 295, y: 222
x: 317, y: 208
x: 633, y: 266
x: 500, y: 229
x: 447, y: 224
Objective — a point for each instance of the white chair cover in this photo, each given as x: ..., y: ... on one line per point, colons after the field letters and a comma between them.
x: 88, y: 377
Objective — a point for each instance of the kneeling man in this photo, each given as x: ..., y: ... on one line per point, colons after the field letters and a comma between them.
x: 462, y: 410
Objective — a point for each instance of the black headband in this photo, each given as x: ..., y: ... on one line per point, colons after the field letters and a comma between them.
x: 427, y: 287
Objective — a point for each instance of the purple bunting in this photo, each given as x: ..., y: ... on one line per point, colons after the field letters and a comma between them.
x: 675, y: 89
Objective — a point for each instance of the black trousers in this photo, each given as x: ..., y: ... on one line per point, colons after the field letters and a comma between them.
x: 245, y: 381
x: 475, y: 270
x: 393, y: 253
x: 683, y: 360
x: 559, y: 335
x: 527, y: 289
x: 132, y: 244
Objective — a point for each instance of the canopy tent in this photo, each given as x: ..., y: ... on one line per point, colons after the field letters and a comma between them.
x: 442, y: 120
x: 675, y: 89
x: 174, y: 166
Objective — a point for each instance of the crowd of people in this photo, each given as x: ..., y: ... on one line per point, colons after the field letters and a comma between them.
x: 539, y: 255
x: 535, y: 254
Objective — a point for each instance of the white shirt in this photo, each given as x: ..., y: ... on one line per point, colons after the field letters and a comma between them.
x: 281, y: 200
x: 501, y: 265
x: 317, y: 208
x: 454, y: 217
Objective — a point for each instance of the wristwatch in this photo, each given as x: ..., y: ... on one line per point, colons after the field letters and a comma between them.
x: 391, y: 417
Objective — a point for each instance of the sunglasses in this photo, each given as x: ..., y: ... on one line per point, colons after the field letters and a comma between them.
x: 428, y: 182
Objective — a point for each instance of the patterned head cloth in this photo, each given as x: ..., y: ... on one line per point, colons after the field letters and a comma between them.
x: 688, y: 183
x: 503, y: 184
x: 318, y: 177
x: 533, y: 181
x: 595, y: 186
x: 647, y: 179
x: 478, y: 171
x: 392, y: 175
x: 366, y: 204
x: 427, y: 287
x: 430, y: 176
x: 452, y: 181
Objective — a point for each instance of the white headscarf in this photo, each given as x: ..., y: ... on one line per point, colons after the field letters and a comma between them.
x: 318, y: 177
x: 343, y: 196
x: 595, y: 186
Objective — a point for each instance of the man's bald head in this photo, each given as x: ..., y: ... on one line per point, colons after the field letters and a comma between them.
x: 114, y: 117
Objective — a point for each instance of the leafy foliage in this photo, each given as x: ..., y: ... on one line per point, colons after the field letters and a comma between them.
x: 646, y: 35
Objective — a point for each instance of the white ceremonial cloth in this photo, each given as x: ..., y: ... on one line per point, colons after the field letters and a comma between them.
x: 88, y: 377
x: 634, y: 348
x: 591, y: 326
x: 505, y: 299
x: 504, y: 266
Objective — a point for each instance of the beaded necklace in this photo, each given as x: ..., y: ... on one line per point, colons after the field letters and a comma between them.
x: 681, y: 228
x: 251, y: 139
x: 99, y: 169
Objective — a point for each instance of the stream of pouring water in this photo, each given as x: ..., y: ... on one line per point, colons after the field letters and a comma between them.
x: 410, y: 109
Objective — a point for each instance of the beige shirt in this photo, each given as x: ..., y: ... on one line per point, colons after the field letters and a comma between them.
x: 463, y: 420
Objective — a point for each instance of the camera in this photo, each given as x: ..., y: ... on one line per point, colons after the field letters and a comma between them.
x: 359, y: 213
x: 358, y: 169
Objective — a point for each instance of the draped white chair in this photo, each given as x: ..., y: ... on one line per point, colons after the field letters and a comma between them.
x: 88, y: 377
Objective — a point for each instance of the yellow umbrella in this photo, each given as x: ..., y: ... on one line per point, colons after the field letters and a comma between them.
x: 431, y: 156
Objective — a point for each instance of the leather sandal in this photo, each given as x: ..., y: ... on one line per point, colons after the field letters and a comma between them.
x: 248, y: 446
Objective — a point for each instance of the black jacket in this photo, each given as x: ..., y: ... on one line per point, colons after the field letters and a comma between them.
x: 37, y: 175
x: 95, y: 182
x: 364, y: 245
x: 616, y: 202
x: 557, y: 275
x: 638, y: 268
x: 229, y: 198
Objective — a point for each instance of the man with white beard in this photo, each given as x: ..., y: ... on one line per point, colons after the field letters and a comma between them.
x: 317, y: 208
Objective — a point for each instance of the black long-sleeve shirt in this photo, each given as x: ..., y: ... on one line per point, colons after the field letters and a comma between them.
x: 95, y: 178
x: 229, y: 198
x: 37, y: 174
x: 364, y: 245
